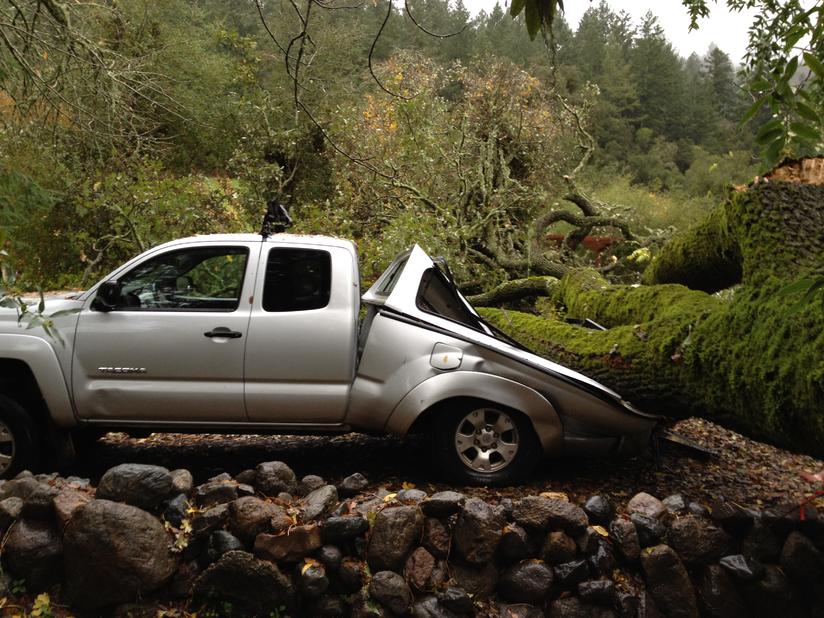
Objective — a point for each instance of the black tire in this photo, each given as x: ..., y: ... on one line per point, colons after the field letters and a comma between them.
x: 18, y: 439
x: 451, y: 419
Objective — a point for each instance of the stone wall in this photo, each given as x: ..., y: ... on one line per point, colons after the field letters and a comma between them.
x: 264, y: 543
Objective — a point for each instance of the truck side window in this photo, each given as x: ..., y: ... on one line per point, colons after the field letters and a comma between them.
x: 297, y: 280
x: 197, y: 279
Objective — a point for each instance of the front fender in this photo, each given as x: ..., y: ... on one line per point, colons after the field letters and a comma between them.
x: 477, y: 385
x: 40, y: 357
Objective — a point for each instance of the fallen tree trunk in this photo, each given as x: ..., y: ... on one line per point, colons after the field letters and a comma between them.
x: 742, y: 359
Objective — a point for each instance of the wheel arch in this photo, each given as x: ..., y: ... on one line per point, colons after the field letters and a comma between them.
x: 423, y: 403
x: 31, y: 374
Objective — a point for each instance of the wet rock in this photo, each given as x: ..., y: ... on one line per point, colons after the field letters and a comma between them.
x: 331, y: 557
x: 571, y: 607
x: 222, y: 542
x: 477, y: 531
x: 646, y: 504
x: 326, y: 607
x: 311, y: 578
x: 10, y: 510
x: 623, y: 533
x: 602, y: 562
x: 114, y: 553
x: 570, y: 574
x: 343, y: 529
x: 220, y: 478
x: 430, y: 607
x: 698, y: 541
x: 319, y: 502
x: 19, y: 487
x: 395, y: 532
x: 599, y: 510
x: 597, y: 592
x: 181, y: 585
x: 206, y: 522
x: 772, y: 595
x: 273, y: 477
x: 443, y: 504
x: 639, y: 605
x: 514, y: 544
x: 298, y: 543
x: 588, y: 541
x: 215, y: 492
x: 762, y: 544
x: 249, y: 516
x: 699, y: 510
x: 418, y: 569
x: 309, y: 483
x: 480, y: 582
x: 668, y: 582
x: 717, y: 595
x: 518, y: 610
x: 675, y: 504
x: 786, y: 518
x: 352, y: 485
x: 733, y: 518
x: 650, y: 530
x: 456, y: 600
x: 436, y: 538
x: 801, y: 560
x: 244, y: 490
x: 390, y: 590
x: 140, y: 485
x: 177, y: 510
x: 528, y: 581
x: 559, y: 547
x: 741, y: 567
x: 351, y: 574
x: 182, y: 481
x: 66, y: 503
x: 246, y: 477
x: 34, y: 552
x: 549, y: 514
x: 255, y: 587
x: 411, y: 496
x: 39, y: 504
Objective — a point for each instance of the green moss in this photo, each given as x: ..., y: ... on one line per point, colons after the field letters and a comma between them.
x: 745, y: 361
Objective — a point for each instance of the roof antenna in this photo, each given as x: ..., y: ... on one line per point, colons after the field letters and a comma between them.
x: 276, y: 220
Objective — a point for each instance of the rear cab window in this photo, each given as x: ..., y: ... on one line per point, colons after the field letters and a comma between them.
x: 297, y: 280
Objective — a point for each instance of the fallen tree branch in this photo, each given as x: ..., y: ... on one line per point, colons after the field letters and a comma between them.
x: 514, y: 290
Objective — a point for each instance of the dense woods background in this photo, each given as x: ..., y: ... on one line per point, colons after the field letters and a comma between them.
x: 176, y: 117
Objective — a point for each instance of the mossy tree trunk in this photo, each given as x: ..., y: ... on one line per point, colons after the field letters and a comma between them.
x: 741, y: 358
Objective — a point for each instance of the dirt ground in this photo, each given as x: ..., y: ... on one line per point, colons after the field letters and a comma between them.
x: 747, y: 472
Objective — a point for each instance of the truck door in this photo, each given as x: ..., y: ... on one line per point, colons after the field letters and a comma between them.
x: 172, y: 348
x: 300, y: 354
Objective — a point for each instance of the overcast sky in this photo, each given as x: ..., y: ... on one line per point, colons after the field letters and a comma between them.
x: 726, y: 30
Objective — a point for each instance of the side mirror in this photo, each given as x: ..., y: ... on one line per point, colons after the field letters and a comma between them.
x: 108, y: 296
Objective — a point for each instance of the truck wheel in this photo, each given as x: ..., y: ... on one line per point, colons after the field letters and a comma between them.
x: 19, y: 447
x: 478, y: 443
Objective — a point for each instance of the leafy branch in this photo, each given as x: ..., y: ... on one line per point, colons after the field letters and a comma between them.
x: 32, y: 315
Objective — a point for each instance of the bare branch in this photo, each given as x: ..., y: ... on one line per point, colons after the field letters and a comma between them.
x: 430, y: 33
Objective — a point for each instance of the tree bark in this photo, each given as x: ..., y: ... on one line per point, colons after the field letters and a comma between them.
x: 740, y: 358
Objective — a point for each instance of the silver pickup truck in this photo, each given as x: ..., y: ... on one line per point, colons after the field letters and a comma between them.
x: 246, y: 334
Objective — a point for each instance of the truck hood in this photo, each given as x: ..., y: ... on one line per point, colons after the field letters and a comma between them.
x: 53, y: 304
x: 398, y: 289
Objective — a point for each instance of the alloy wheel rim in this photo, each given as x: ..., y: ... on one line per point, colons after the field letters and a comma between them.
x: 7, y: 447
x: 486, y: 440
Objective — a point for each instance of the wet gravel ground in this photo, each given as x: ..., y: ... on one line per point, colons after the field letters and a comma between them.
x: 748, y: 472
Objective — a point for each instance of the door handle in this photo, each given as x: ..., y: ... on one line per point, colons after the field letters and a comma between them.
x: 222, y: 331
